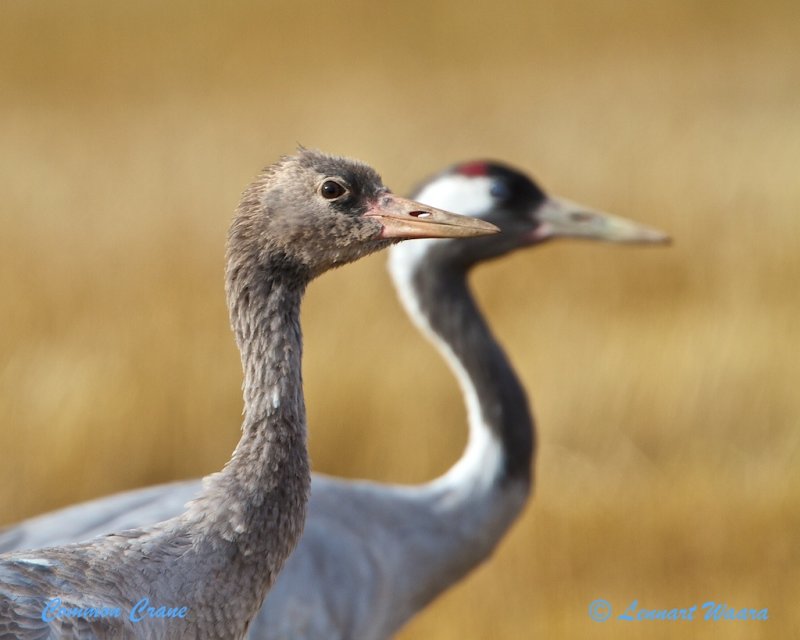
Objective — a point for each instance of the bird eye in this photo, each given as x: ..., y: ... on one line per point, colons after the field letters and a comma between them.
x: 500, y: 190
x: 330, y: 190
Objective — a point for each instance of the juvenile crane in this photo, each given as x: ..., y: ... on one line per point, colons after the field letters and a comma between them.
x: 373, y: 555
x: 216, y: 561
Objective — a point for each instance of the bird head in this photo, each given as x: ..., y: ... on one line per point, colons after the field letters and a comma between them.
x: 316, y: 211
x: 525, y: 214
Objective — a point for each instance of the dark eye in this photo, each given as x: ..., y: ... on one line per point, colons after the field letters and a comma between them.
x: 330, y: 190
x: 500, y: 190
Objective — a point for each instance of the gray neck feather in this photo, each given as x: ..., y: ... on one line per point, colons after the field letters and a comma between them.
x: 253, y: 510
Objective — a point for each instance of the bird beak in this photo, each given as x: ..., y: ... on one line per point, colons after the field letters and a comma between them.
x: 406, y: 219
x: 561, y: 218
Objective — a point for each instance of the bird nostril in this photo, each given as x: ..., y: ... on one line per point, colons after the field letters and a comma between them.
x: 420, y: 214
x: 580, y: 216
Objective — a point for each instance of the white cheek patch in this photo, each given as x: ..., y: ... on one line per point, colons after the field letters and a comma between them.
x: 465, y: 195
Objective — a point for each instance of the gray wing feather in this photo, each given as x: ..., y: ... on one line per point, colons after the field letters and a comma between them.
x: 102, y: 516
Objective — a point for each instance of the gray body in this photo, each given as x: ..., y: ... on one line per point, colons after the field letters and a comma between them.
x: 370, y: 557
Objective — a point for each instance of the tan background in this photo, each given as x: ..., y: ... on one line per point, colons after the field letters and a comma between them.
x: 665, y: 381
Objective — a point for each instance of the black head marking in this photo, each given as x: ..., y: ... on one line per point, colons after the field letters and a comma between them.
x: 512, y: 189
x: 511, y: 202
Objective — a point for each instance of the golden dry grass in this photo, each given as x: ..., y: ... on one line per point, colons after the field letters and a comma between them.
x: 665, y: 381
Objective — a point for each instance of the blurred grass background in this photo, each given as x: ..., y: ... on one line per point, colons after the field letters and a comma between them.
x: 665, y: 381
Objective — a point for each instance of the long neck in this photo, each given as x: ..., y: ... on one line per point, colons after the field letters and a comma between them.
x: 254, y: 509
x: 463, y: 514
x: 501, y: 429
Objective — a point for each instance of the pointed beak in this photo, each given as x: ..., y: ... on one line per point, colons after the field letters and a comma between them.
x: 406, y: 219
x: 561, y: 218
